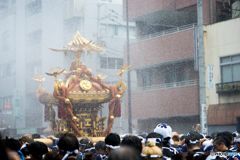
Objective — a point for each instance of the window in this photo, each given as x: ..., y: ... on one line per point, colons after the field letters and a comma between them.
x: 33, y: 7
x: 230, y: 67
x: 147, y: 77
x: 119, y: 63
x: 5, y: 41
x: 7, y: 70
x: 5, y: 103
x: 166, y: 74
x: 111, y: 63
x: 169, y: 74
x: 115, y: 30
x: 103, y: 62
x: 4, y: 4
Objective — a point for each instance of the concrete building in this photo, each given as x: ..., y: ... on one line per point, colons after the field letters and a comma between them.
x: 28, y: 29
x: 222, y: 52
x: 164, y: 60
x: 112, y: 34
x: 7, y: 66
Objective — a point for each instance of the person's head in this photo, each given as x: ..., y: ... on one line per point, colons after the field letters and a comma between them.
x: 195, y: 135
x: 157, y: 137
x: 100, y: 147
x: 228, y: 138
x: 192, y: 140
x: 12, y: 146
x: 182, y: 138
x: 52, y: 156
x: 196, y: 156
x: 132, y: 142
x: 220, y: 144
x: 235, y: 134
x: 207, y: 145
x: 84, y: 144
x: 3, y: 153
x: 37, y: 150
x: 68, y: 142
x: 151, y: 151
x: 89, y: 149
x: 164, y: 129
x: 112, y: 141
x: 196, y: 127
x: 176, y: 140
x: 123, y: 153
x: 26, y: 139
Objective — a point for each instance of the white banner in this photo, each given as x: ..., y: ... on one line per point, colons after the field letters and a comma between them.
x: 210, y: 80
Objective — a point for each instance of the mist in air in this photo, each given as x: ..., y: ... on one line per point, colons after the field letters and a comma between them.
x: 161, y: 51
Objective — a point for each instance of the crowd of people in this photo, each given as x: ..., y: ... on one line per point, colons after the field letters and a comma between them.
x: 160, y: 144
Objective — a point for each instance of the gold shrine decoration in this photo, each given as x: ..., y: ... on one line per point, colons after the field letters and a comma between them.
x: 122, y: 88
x: 86, y: 85
x: 123, y: 69
x: 55, y: 72
x: 79, y: 44
x: 80, y: 95
x: 39, y: 78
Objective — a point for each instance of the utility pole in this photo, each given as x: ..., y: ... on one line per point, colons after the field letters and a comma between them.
x: 128, y: 74
x: 201, y: 68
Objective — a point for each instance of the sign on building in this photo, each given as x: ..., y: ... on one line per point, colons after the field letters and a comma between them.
x: 210, y: 80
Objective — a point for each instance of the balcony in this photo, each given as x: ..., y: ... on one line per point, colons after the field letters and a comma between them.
x: 228, y: 88
x: 185, y: 3
x: 170, y: 85
x: 171, y: 45
x: 148, y: 6
x: 166, y: 101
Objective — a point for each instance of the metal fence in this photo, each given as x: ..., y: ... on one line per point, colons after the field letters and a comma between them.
x: 169, y: 85
x: 165, y: 32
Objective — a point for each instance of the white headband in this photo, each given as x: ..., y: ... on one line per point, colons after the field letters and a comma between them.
x: 193, y: 142
x: 151, y: 156
x: 112, y: 147
x: 237, y: 140
x: 155, y: 140
x: 24, y: 145
x: 89, y: 149
x: 68, y: 153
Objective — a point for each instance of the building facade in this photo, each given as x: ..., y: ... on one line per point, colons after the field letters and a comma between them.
x: 164, y: 60
x: 222, y: 62
x: 28, y: 29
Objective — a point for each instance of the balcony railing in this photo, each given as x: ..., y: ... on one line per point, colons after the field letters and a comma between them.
x: 170, y: 85
x: 166, y: 32
x: 228, y: 88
